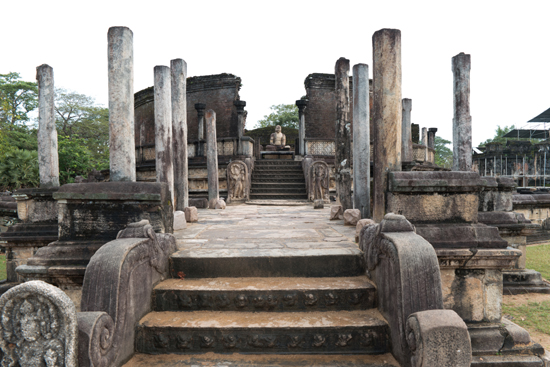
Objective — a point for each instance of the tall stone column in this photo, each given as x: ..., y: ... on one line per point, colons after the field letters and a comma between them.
x: 240, y: 124
x: 48, y: 160
x: 342, y: 162
x: 178, y: 68
x: 212, y: 156
x: 387, y: 116
x: 122, y: 150
x: 163, y: 128
x: 462, y: 121
x: 200, y: 118
x: 431, y: 137
x: 425, y: 143
x: 302, y: 104
x: 361, y: 139
x: 406, y: 140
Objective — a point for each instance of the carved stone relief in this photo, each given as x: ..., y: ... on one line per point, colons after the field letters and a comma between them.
x: 39, y: 327
x: 237, y: 181
x: 319, y: 181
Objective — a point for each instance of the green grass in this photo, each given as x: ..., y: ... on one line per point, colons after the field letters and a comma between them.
x: 538, y: 258
x: 532, y: 316
x: 3, y: 266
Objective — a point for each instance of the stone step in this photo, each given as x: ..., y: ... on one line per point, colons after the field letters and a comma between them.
x: 277, y: 174
x: 270, y: 196
x: 276, y: 162
x: 264, y: 360
x: 288, y: 185
x: 286, y: 262
x: 265, y: 294
x: 278, y: 169
x: 342, y: 332
x: 278, y: 190
x: 269, y: 179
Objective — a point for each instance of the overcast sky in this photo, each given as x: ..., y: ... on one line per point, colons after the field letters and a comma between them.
x: 274, y: 45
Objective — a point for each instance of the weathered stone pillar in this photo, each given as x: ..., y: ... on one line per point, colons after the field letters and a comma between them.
x: 178, y: 67
x: 462, y: 121
x: 431, y: 137
x: 302, y: 104
x: 122, y: 152
x: 387, y: 112
x: 48, y: 161
x: 200, y: 114
x: 342, y: 162
x: 425, y: 143
x: 361, y: 139
x: 212, y: 156
x: 240, y: 124
x: 163, y: 128
x: 406, y: 137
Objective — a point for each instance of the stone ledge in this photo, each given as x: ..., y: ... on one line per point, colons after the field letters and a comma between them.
x: 436, y: 181
x: 479, y: 259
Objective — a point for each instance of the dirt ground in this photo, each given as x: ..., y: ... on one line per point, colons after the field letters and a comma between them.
x: 523, y: 299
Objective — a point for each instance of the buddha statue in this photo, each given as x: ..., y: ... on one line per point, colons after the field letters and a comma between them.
x: 277, y: 141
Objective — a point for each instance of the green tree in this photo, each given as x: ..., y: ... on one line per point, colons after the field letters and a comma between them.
x: 19, y: 169
x: 443, y: 155
x: 285, y: 115
x: 17, y: 99
x: 74, y: 158
x: 499, y: 135
x: 77, y: 116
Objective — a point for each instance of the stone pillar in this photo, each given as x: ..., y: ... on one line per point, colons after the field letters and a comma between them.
x: 122, y: 152
x: 431, y: 137
x: 302, y: 104
x: 240, y: 124
x: 212, y: 156
x: 342, y: 142
x: 425, y: 143
x: 406, y: 137
x: 462, y: 121
x: 361, y: 139
x: 387, y: 112
x: 200, y: 114
x: 163, y: 128
x: 48, y: 161
x: 178, y: 67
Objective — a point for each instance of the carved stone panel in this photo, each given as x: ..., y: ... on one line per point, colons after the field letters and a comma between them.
x: 319, y: 181
x: 38, y: 327
x: 238, y: 185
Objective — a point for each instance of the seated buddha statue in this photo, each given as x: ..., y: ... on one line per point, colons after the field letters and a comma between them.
x: 277, y: 141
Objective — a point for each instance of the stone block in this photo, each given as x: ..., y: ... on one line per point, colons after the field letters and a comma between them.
x: 318, y: 204
x: 438, y: 338
x: 351, y: 217
x: 39, y: 324
x: 435, y: 181
x: 434, y: 207
x: 220, y: 204
x: 336, y: 212
x: 179, y: 220
x: 474, y: 294
x: 191, y: 214
x: 359, y: 226
x: 200, y: 203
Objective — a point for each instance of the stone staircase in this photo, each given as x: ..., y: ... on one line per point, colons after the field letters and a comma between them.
x: 266, y: 307
x: 278, y: 180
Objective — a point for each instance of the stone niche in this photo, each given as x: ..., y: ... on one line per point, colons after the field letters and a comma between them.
x: 218, y: 92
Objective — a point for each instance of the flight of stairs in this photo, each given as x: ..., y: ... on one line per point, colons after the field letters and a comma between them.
x: 278, y: 179
x: 303, y: 309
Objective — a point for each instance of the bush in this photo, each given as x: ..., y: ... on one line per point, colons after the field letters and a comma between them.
x: 19, y: 169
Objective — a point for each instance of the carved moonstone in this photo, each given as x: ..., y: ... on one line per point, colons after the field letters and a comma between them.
x: 39, y: 326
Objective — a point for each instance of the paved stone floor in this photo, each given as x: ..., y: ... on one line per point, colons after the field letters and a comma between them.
x: 266, y: 228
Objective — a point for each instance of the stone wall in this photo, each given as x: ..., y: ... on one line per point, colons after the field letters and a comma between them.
x: 320, y: 114
x: 218, y: 92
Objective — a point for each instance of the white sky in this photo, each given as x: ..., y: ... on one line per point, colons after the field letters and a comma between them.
x: 274, y: 45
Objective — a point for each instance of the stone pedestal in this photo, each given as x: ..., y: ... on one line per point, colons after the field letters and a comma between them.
x: 91, y: 215
x: 37, y: 210
x: 387, y: 118
x: 361, y: 140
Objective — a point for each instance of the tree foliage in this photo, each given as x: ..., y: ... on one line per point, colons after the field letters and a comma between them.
x: 19, y: 169
x: 285, y: 115
x: 499, y: 133
x: 17, y: 99
x: 443, y: 154
x: 74, y: 158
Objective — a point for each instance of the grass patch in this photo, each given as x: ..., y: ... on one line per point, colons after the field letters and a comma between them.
x: 532, y: 316
x: 3, y: 266
x: 538, y: 258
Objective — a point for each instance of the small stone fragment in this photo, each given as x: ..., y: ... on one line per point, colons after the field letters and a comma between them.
x: 191, y: 214
x: 179, y: 220
x: 220, y: 204
x: 318, y: 204
x: 335, y: 212
x: 351, y: 217
x: 359, y: 226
